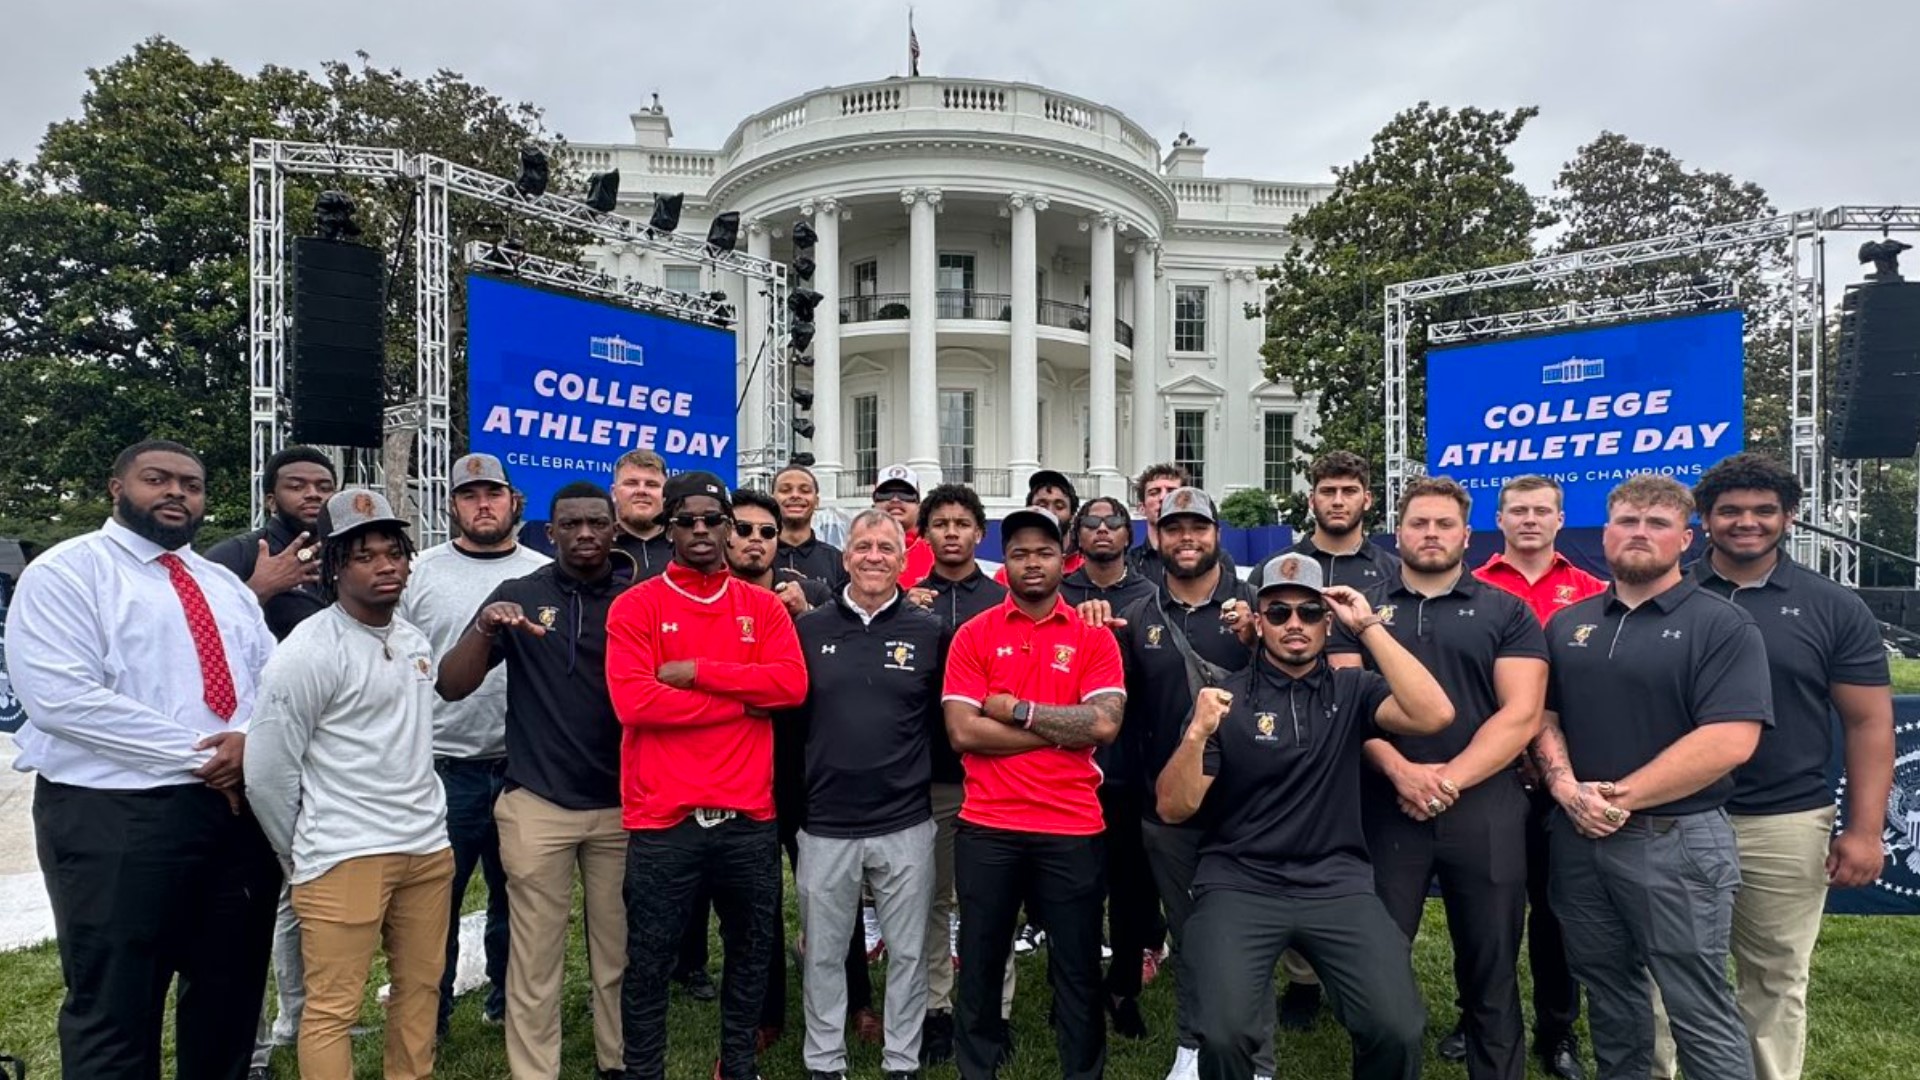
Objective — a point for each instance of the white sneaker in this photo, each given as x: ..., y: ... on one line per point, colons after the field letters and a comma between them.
x: 1186, y: 1065
x: 1261, y: 1076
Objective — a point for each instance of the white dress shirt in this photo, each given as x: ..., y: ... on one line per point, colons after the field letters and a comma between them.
x: 99, y: 652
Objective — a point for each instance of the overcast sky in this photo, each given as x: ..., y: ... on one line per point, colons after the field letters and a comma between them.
x: 1769, y: 90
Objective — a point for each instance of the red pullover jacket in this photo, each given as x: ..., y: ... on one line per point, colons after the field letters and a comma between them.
x: 711, y: 747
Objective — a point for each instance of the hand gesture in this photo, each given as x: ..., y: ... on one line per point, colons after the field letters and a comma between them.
x: 297, y: 564
x: 1589, y: 805
x: 1424, y: 790
x: 792, y: 595
x: 920, y: 596
x: 1237, y: 616
x: 1348, y: 606
x: 1208, y: 710
x: 224, y: 771
x: 1854, y: 859
x: 1099, y: 614
x: 506, y: 614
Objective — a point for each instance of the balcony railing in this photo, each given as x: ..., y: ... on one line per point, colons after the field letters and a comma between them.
x: 857, y: 482
x: 967, y: 304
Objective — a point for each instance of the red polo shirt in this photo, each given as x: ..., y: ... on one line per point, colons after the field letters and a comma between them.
x: 1562, y: 586
x: 1057, y: 660
x: 919, y: 560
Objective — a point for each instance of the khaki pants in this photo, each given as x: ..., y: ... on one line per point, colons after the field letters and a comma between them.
x: 939, y: 948
x: 346, y: 915
x: 541, y: 845
x: 1776, y: 920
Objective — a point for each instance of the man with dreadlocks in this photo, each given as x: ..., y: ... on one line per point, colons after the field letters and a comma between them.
x: 340, y: 773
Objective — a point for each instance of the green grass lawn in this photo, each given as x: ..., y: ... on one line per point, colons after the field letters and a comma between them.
x: 1906, y: 675
x: 1865, y: 1017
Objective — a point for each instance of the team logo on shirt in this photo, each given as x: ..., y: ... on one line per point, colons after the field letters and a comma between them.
x: 1385, y: 611
x: 899, y: 656
x: 547, y: 616
x: 746, y: 627
x: 1003, y: 650
x: 1263, y: 724
x: 423, y: 666
x: 1563, y: 594
x: 1154, y: 634
x: 1582, y: 632
x: 1063, y: 658
x: 1793, y: 611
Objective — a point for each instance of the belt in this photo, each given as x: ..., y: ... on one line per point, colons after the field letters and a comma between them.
x: 1659, y: 826
x: 707, y: 819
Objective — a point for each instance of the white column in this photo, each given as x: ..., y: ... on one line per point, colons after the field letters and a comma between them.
x: 1024, y: 345
x: 755, y: 317
x: 923, y: 381
x: 1101, y: 391
x: 1146, y: 353
x: 826, y: 342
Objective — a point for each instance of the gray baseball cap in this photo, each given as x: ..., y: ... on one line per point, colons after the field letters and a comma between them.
x: 353, y: 509
x: 479, y: 469
x: 1291, y: 569
x: 1189, y: 501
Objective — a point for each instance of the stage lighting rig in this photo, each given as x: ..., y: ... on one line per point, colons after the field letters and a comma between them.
x: 603, y: 190
x: 802, y: 359
x: 803, y: 398
x: 803, y: 428
x: 804, y: 237
x: 532, y: 181
x: 724, y: 234
x: 1884, y: 254
x: 666, y: 213
x: 803, y: 267
x: 802, y: 459
x: 333, y: 217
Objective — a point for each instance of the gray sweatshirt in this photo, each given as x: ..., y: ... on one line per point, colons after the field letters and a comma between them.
x: 339, y: 757
x: 443, y: 595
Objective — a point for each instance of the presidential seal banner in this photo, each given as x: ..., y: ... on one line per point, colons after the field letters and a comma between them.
x: 1588, y: 408
x: 559, y: 387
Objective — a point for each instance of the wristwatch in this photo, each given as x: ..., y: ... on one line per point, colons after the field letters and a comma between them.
x: 1023, y: 713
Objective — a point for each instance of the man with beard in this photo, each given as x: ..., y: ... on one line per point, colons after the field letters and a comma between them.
x: 797, y: 491
x: 138, y: 664
x: 639, y: 477
x: 1451, y: 803
x: 1031, y: 690
x: 1186, y: 636
x: 696, y: 664
x: 1658, y: 690
x: 1530, y: 518
x: 449, y: 583
x: 872, y: 706
x: 277, y: 563
x: 1156, y: 482
x: 1824, y: 653
x: 560, y: 810
x: 897, y: 491
x: 341, y: 774
x: 1273, y: 760
x: 952, y: 522
x: 1102, y: 588
x: 1339, y: 500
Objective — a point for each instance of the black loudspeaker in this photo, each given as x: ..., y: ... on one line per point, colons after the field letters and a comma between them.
x: 1876, y: 389
x: 336, y: 347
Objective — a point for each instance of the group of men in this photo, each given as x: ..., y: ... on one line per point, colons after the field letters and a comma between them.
x: 296, y: 751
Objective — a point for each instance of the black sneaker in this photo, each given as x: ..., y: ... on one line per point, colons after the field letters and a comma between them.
x: 822, y: 1074
x: 1299, y: 1006
x: 1561, y: 1058
x: 698, y: 985
x: 936, y: 1038
x: 1127, y: 1021
x: 1454, y: 1046
x: 903, y: 1074
x: 611, y: 1074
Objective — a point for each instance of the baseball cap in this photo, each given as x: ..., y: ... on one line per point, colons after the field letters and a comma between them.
x: 479, y: 469
x: 1189, y: 501
x: 898, y: 476
x: 1052, y: 478
x: 1291, y: 569
x: 682, y: 486
x: 352, y: 509
x: 1028, y: 518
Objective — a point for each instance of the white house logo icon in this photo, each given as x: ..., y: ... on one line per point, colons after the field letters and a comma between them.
x: 1572, y: 370
x: 617, y: 350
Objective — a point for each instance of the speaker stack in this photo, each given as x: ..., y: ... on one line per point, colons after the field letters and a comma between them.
x: 336, y: 345
x: 1876, y: 392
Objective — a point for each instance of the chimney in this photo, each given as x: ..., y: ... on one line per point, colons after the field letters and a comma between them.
x: 1186, y: 158
x: 651, y: 128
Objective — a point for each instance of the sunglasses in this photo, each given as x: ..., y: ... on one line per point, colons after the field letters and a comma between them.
x: 1311, y: 612
x: 711, y: 520
x: 745, y: 530
x: 1115, y: 522
x: 895, y: 496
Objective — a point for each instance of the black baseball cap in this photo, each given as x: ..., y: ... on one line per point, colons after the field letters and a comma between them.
x: 1029, y: 518
x: 682, y: 486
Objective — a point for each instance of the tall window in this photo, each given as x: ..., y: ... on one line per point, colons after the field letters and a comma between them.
x: 1190, y: 443
x: 681, y: 278
x: 1189, y: 318
x: 956, y: 271
x: 866, y: 439
x: 866, y: 285
x: 956, y: 436
x: 1277, y: 451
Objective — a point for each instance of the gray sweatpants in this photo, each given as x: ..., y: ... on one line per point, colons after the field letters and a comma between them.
x: 1654, y: 898
x: 290, y: 985
x: 898, y: 867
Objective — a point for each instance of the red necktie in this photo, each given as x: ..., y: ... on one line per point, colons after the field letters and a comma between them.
x: 214, y: 676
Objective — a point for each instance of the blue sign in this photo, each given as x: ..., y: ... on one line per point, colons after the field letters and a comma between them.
x: 559, y: 387
x: 1897, y: 890
x: 1588, y: 408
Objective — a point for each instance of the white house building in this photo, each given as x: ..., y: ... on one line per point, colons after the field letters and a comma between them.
x: 1012, y: 276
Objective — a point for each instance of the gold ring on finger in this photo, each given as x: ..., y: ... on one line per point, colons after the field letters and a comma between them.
x: 1434, y: 806
x: 1615, y: 815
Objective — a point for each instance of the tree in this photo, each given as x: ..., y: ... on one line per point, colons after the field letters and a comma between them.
x: 1249, y: 508
x: 1616, y: 190
x: 123, y: 259
x: 1434, y: 195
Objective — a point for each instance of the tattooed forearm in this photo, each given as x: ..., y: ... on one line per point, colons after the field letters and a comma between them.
x: 1550, y: 756
x: 1076, y: 727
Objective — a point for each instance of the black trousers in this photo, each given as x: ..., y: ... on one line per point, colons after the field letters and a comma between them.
x: 1556, y: 994
x: 146, y: 886
x: 1059, y: 879
x: 1478, y: 848
x: 738, y: 863
x: 1362, y: 958
x: 1134, y: 923
x: 472, y: 788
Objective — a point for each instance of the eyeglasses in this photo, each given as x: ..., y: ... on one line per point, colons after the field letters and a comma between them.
x: 896, y: 496
x: 1311, y: 612
x: 1115, y: 522
x: 745, y: 530
x: 712, y: 520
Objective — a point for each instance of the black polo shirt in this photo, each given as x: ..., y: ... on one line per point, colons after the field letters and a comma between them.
x: 1078, y: 588
x: 1818, y: 633
x: 1144, y: 559
x: 1457, y: 636
x: 954, y: 604
x: 241, y: 554
x: 1371, y: 565
x: 872, y: 709
x: 1630, y: 682
x: 1159, y: 693
x: 816, y: 559
x: 650, y: 557
x: 1285, y: 801
x: 563, y: 741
